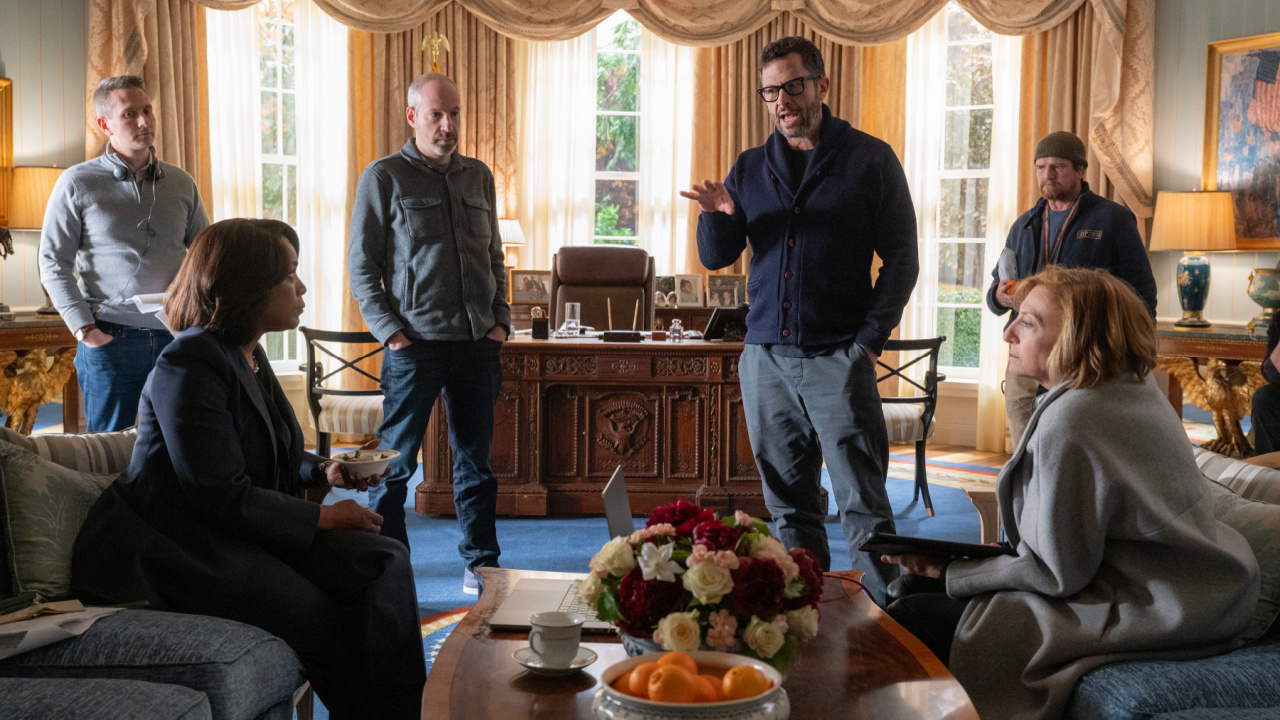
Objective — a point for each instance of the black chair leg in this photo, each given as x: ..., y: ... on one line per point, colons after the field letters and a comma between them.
x: 322, y: 444
x: 922, y: 480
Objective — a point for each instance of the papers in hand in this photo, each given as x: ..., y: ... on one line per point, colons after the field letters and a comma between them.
x: 1007, y: 265
x: 24, y: 635
x: 152, y: 303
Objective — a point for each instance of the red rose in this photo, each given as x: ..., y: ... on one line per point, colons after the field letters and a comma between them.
x: 716, y: 535
x: 680, y: 514
x: 644, y: 602
x: 758, y: 585
x: 811, y: 573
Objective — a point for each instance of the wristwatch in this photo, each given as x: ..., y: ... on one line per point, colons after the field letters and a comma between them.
x: 84, y: 331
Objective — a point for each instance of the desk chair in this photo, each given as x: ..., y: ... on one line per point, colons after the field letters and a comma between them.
x: 340, y: 410
x: 910, y: 418
x: 600, y: 276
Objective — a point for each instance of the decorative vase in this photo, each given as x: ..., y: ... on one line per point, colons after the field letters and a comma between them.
x: 1193, y: 289
x: 1263, y: 289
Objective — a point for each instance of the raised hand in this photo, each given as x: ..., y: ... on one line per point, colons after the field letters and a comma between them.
x: 710, y: 196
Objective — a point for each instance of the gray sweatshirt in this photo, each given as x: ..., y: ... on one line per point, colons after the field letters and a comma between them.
x: 97, y: 224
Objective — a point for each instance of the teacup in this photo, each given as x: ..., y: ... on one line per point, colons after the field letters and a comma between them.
x: 554, y: 637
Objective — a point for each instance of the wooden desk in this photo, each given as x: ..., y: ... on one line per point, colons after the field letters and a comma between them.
x: 1215, y: 354
x: 28, y: 332
x: 861, y: 664
x: 570, y: 411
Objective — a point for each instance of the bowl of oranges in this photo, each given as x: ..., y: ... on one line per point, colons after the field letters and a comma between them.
x: 688, y: 686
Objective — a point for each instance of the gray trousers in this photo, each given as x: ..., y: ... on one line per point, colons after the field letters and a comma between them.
x: 801, y: 411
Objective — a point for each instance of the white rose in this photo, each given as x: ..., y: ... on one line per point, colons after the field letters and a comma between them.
x: 765, y: 638
x: 708, y: 582
x: 616, y: 557
x: 679, y: 632
x: 803, y: 623
x: 590, y: 588
x: 768, y: 547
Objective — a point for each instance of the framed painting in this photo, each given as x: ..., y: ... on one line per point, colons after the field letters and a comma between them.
x: 6, y: 147
x: 1242, y: 134
x: 530, y: 287
x: 726, y: 290
x: 689, y: 291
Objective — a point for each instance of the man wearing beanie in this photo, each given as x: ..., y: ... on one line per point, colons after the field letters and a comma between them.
x: 1072, y: 227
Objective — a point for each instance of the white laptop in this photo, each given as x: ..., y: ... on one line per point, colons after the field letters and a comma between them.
x: 532, y: 595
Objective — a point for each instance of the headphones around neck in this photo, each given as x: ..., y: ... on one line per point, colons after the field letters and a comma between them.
x: 121, y: 171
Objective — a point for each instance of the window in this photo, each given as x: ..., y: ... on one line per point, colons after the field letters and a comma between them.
x: 278, y: 98
x: 617, y: 175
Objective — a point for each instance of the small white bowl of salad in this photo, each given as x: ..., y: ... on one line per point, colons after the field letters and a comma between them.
x: 366, y: 463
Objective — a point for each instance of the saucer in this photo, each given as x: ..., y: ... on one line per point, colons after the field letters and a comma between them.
x: 528, y: 658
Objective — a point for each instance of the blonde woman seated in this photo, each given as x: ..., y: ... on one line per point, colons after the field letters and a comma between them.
x: 1119, y: 556
x: 207, y: 518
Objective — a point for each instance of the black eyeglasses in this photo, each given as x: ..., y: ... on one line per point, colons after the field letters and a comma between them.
x: 794, y: 86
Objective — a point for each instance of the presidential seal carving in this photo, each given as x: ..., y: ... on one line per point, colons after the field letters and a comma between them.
x: 624, y: 427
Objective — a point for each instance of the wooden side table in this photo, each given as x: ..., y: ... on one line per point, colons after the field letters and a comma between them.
x: 29, y: 332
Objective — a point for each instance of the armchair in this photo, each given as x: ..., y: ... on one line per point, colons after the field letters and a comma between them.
x: 600, y: 276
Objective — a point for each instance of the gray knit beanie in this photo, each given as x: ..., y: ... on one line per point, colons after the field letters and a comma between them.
x: 1062, y: 144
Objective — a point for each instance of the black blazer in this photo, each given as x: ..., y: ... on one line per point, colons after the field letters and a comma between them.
x: 202, y: 496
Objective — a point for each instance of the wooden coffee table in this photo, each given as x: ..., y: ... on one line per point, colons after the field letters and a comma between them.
x: 862, y: 664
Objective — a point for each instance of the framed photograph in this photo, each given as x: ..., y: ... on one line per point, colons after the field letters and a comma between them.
x: 530, y: 287
x: 665, y: 284
x: 1242, y: 134
x: 689, y: 290
x: 726, y: 290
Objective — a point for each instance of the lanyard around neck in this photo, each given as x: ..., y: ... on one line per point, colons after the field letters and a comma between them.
x: 1062, y: 232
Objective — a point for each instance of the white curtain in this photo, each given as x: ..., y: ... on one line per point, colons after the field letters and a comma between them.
x: 234, y: 123
x: 322, y: 158
x: 557, y: 148
x: 666, y: 149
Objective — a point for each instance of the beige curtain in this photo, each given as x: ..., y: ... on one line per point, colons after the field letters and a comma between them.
x: 163, y: 42
x: 486, y: 68
x: 1093, y: 75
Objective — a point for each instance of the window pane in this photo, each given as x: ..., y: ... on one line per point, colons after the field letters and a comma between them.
x: 286, y: 57
x: 270, y: 122
x: 272, y: 191
x: 616, y: 208
x: 616, y: 143
x: 962, y: 27
x: 291, y: 182
x: 290, y: 123
x: 618, y: 32
x: 281, y: 345
x: 962, y: 208
x: 960, y: 277
x: 967, y: 140
x: 969, y: 75
x: 961, y: 326
x: 618, y: 82
x: 269, y: 40
x: 286, y: 9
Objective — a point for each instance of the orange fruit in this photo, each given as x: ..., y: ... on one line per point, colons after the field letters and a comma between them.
x: 743, y: 681
x: 639, y: 682
x: 680, y: 659
x: 708, y: 689
x: 672, y: 683
x: 623, y: 684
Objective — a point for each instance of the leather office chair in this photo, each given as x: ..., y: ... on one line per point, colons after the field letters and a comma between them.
x: 592, y: 274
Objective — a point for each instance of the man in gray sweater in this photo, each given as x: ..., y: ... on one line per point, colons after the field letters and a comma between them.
x: 427, y: 268
x: 123, y: 220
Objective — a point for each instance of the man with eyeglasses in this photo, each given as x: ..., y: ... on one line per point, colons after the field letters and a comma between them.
x: 818, y: 201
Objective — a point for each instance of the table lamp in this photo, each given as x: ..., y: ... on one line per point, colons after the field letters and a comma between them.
x: 28, y: 196
x: 1195, y: 223
x: 512, y: 237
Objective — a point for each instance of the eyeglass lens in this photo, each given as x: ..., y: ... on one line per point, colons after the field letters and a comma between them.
x: 795, y: 86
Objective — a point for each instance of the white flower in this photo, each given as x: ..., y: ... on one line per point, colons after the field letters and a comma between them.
x: 615, y: 558
x: 589, y: 589
x: 679, y: 631
x: 772, y: 549
x: 708, y: 581
x: 656, y: 562
x: 766, y: 638
x: 803, y: 623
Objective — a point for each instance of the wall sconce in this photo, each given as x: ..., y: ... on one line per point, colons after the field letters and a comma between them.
x: 1196, y: 223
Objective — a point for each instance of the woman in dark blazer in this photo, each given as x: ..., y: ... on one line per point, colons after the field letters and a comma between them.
x: 208, y: 517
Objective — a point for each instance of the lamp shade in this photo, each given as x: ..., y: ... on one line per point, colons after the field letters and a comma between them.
x: 1203, y: 221
x: 29, y: 195
x: 510, y: 232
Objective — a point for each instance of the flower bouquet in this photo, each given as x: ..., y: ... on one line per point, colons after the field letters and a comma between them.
x: 690, y: 579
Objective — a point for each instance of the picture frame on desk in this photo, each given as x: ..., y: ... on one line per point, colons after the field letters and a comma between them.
x: 665, y: 284
x: 530, y: 287
x: 689, y: 290
x: 726, y: 290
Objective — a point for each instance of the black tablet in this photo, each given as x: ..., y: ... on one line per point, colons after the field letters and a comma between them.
x: 727, y: 323
x: 889, y: 544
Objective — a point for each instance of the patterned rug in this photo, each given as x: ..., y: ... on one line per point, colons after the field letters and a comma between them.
x: 436, y: 629
x: 942, y: 473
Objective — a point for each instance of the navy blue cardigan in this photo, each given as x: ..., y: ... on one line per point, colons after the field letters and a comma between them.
x: 810, y: 281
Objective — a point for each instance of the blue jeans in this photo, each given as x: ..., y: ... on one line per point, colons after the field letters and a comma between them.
x: 469, y: 374
x: 801, y: 411
x: 111, y: 377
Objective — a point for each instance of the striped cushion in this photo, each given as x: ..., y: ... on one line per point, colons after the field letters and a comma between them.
x: 903, y: 422
x: 1252, y: 482
x: 350, y: 414
x: 104, y: 452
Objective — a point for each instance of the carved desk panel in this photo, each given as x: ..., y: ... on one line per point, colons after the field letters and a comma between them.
x: 570, y: 411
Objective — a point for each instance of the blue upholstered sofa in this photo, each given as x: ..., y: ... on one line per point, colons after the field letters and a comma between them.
x: 1241, y: 685
x: 133, y: 663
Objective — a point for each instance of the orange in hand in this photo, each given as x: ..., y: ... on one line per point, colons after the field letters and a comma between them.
x: 744, y: 681
x: 639, y: 683
x: 680, y: 659
x: 672, y: 683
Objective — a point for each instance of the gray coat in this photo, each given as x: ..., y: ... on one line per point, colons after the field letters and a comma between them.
x: 1119, y: 555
